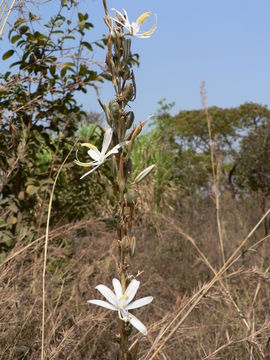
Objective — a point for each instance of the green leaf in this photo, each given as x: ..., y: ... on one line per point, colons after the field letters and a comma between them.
x: 63, y: 72
x: 15, y: 38
x: 87, y: 45
x: 99, y: 45
x: 52, y: 69
x: 23, y: 29
x: 8, y: 54
x: 80, y: 16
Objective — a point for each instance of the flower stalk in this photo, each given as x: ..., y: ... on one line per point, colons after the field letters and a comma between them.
x: 121, y: 133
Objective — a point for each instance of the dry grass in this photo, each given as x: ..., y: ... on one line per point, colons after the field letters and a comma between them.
x: 192, y: 317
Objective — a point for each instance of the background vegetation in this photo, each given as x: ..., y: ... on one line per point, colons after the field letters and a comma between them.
x: 185, y: 209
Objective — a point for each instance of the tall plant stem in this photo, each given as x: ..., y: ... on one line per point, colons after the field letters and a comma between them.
x: 215, y: 173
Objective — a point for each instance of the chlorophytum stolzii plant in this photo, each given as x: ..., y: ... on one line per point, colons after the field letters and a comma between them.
x: 117, y: 146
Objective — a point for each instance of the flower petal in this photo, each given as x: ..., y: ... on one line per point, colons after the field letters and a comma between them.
x: 148, y: 33
x: 112, y: 151
x: 89, y: 146
x: 127, y: 23
x: 121, y: 16
x: 94, y: 154
x: 131, y: 290
x: 137, y: 324
x: 89, y: 172
x: 86, y: 164
x: 102, y: 303
x: 115, y: 149
x: 143, y: 17
x: 135, y: 28
x: 117, y: 288
x: 108, y: 294
x: 106, y: 140
x: 139, y: 303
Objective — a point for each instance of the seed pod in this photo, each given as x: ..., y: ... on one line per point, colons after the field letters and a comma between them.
x: 129, y: 119
x: 126, y: 73
x: 122, y: 185
x: 126, y: 243
x: 131, y: 197
x: 132, y: 249
x: 128, y: 93
x: 114, y: 109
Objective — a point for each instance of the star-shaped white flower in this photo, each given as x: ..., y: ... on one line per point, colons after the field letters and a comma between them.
x: 134, y: 27
x: 123, y: 302
x: 100, y: 157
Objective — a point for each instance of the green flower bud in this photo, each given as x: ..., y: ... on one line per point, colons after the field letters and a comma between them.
x: 131, y: 197
x: 129, y: 119
x: 114, y: 109
x: 128, y: 93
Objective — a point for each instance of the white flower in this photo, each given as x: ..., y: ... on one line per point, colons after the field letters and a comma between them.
x: 99, y: 157
x: 123, y: 302
x: 134, y: 27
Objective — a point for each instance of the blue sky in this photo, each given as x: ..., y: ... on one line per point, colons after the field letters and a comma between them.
x: 224, y: 43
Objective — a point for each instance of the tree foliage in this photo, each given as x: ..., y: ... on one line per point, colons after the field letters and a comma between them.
x: 39, y: 120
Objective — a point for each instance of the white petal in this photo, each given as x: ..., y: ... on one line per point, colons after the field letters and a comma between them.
x: 106, y: 140
x: 139, y: 303
x: 115, y: 149
x: 89, y: 172
x: 108, y: 294
x: 123, y: 315
x: 94, y: 154
x: 104, y: 304
x: 131, y: 290
x: 137, y: 324
x: 117, y: 288
x: 135, y: 28
x: 127, y: 20
x: 86, y: 164
x: 125, y: 25
x: 119, y: 14
x: 112, y: 151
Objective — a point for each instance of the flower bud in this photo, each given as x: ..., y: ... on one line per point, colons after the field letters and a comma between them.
x: 132, y: 247
x: 114, y: 109
x: 107, y: 114
x: 131, y: 197
x: 129, y: 119
x: 128, y: 93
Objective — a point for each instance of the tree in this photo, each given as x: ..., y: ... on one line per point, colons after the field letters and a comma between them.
x: 39, y: 117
